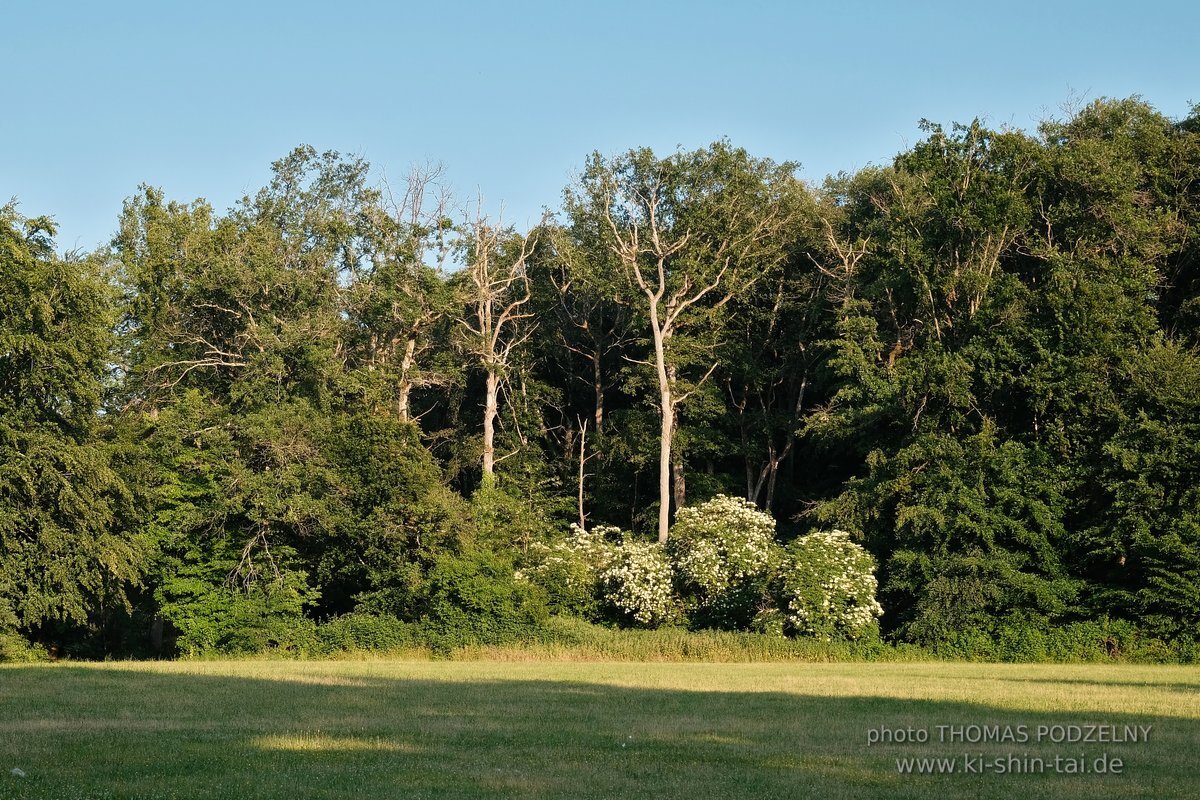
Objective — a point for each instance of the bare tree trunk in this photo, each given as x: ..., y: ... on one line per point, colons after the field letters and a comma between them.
x: 404, y: 387
x: 667, y: 408
x: 490, y: 407
x: 664, y: 465
x: 498, y: 292
x: 582, y: 463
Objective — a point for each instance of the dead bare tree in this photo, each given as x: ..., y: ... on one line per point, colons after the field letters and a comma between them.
x: 404, y: 296
x: 497, y: 294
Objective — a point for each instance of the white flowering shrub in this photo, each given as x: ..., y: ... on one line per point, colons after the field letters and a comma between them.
x: 721, y: 543
x: 722, y: 553
x: 637, y: 584
x: 569, y: 570
x: 827, y: 588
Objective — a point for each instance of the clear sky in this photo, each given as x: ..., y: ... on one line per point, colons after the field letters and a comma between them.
x: 200, y: 97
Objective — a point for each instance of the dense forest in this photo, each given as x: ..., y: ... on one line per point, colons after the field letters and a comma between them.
x: 346, y: 400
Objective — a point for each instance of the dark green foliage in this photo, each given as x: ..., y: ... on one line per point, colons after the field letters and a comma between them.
x: 396, y: 517
x: 991, y: 340
x: 1102, y: 640
x: 1144, y: 553
x: 973, y: 529
x: 572, y: 590
x: 232, y: 502
x: 65, y: 546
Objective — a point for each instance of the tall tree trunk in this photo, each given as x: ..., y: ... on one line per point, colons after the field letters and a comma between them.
x: 598, y: 386
x: 678, y: 490
x: 499, y: 290
x: 489, y: 429
x: 771, y: 486
x: 678, y: 487
x: 664, y: 465
x: 404, y: 388
x: 667, y: 411
x: 582, y: 464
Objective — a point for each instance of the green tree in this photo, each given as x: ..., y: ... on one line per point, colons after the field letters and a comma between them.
x: 236, y: 368
x: 66, y: 545
x: 771, y: 359
x: 964, y: 507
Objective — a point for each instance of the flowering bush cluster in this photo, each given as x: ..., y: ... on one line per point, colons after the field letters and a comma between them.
x: 827, y: 588
x: 604, y: 572
x: 721, y: 568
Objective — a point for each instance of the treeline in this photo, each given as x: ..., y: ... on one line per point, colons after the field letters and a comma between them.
x: 340, y: 398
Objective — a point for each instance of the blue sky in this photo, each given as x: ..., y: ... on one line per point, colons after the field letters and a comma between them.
x: 199, y: 98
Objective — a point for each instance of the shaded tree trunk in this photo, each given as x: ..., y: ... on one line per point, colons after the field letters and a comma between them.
x: 598, y: 387
x: 678, y: 484
x: 667, y: 409
x: 667, y: 413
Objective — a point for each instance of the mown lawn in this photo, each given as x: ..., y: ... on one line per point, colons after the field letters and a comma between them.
x: 490, y: 729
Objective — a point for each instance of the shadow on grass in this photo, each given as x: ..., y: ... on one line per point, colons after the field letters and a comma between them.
x: 92, y: 733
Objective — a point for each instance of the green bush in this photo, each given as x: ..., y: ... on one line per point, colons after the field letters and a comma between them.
x: 14, y: 648
x: 367, y: 633
x: 218, y: 619
x: 720, y: 569
x: 475, y: 598
x: 946, y: 594
x: 1040, y: 640
x: 605, y: 574
x: 504, y: 521
x: 572, y: 638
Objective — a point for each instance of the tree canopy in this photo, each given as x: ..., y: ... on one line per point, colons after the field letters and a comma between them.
x: 979, y: 364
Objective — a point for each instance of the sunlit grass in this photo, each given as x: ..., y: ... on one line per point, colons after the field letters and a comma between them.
x: 442, y: 729
x: 319, y: 742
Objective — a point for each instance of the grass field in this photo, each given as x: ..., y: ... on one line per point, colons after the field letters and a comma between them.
x: 490, y: 729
